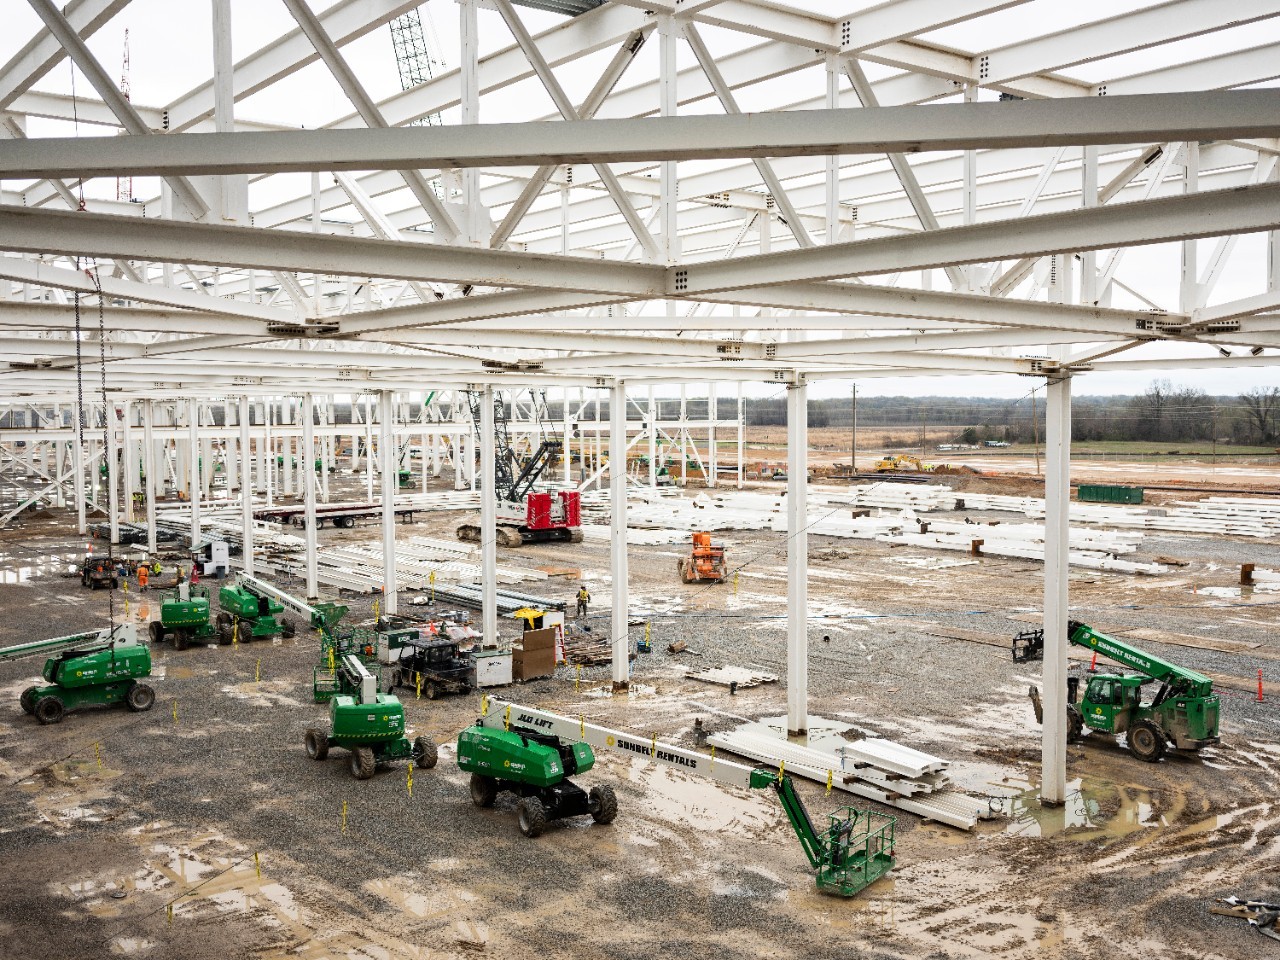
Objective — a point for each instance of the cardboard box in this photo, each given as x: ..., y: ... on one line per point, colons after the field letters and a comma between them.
x: 532, y: 664
x: 544, y: 639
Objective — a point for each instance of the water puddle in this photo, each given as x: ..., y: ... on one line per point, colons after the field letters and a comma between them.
x: 1095, y: 810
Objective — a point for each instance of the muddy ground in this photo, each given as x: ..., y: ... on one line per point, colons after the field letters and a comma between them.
x: 201, y: 829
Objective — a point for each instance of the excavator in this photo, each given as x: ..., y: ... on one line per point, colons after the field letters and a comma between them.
x: 704, y: 563
x: 525, y: 515
x: 1182, y: 714
x: 902, y: 463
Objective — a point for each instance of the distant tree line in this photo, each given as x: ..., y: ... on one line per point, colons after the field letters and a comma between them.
x: 1163, y: 412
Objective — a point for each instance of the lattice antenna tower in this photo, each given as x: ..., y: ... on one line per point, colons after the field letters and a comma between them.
x: 414, y: 56
x: 124, y: 185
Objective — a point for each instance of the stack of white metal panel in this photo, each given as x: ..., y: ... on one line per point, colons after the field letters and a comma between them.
x: 876, y: 769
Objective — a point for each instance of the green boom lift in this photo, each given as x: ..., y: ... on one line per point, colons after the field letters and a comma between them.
x: 98, y: 668
x: 183, y: 621
x: 367, y: 723
x: 536, y: 766
x: 1182, y: 713
x: 532, y: 753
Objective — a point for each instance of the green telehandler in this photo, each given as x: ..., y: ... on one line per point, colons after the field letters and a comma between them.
x: 1182, y: 713
x: 97, y: 668
x: 367, y: 723
x: 183, y: 621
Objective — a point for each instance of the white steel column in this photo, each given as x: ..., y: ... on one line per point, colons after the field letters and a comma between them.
x: 652, y: 414
x: 668, y: 195
x: 618, y: 539
x: 77, y: 461
x: 833, y: 161
x: 149, y: 466
x: 1089, y: 259
x: 128, y: 464
x: 713, y: 459
x: 234, y: 189
x: 469, y: 77
x: 246, y: 490
x: 797, y: 559
x: 1057, y: 501
x: 368, y: 448
x: 740, y: 437
x: 309, y: 486
x: 488, y: 520
x: 566, y: 450
x: 387, y: 453
x: 1187, y: 292
x: 113, y: 471
x: 193, y: 468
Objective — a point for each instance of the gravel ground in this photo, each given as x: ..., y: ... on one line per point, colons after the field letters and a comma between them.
x: 177, y: 808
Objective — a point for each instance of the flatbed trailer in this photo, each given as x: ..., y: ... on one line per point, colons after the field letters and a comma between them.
x: 342, y: 515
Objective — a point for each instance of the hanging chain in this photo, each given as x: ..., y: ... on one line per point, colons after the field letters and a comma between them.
x: 108, y: 423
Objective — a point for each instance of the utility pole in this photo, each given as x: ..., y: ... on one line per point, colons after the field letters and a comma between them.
x: 1035, y: 433
x: 853, y: 436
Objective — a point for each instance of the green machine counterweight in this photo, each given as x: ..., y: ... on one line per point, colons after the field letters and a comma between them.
x: 368, y: 724
x: 98, y: 668
x: 1182, y: 712
x: 183, y: 621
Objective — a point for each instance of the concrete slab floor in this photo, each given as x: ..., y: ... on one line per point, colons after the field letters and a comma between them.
x: 110, y: 818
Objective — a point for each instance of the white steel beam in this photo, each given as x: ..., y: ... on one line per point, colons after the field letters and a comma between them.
x: 569, y: 112
x: 369, y: 112
x: 345, y: 21
x: 44, y: 52
x: 1206, y: 214
x: 55, y: 231
x: 1215, y: 115
x: 79, y: 52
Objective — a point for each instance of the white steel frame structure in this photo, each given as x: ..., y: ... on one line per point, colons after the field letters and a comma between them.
x: 761, y: 193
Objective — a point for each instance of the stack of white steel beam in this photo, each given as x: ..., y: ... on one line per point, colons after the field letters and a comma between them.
x: 876, y: 769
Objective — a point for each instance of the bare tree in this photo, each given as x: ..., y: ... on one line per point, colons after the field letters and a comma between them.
x: 1262, y: 407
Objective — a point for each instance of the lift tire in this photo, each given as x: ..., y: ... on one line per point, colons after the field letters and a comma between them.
x: 484, y: 790
x: 140, y: 698
x: 430, y: 690
x: 1146, y: 742
x: 317, y: 743
x: 156, y: 630
x: 115, y: 584
x: 28, y: 700
x: 425, y: 753
x: 225, y: 633
x: 362, y: 763
x: 287, y: 629
x: 181, y: 639
x: 1075, y: 724
x: 531, y: 816
x: 603, y: 803
x: 49, y: 710
x: 85, y: 581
